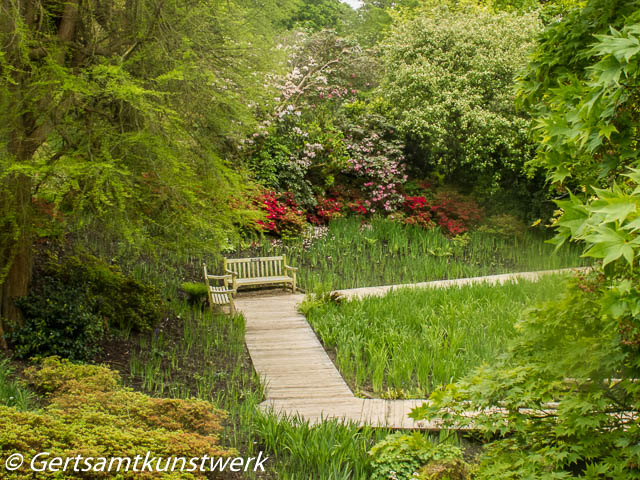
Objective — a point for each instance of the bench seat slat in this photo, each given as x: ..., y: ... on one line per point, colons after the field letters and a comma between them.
x: 231, y: 261
x: 259, y: 280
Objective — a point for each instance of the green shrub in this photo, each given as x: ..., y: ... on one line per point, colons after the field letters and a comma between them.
x: 74, y: 302
x: 504, y: 225
x: 447, y: 88
x: 90, y: 414
x: 196, y: 292
x: 122, y: 300
x: 59, y: 319
x: 403, y: 456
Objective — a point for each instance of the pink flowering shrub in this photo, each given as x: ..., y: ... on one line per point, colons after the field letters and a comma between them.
x: 375, y: 164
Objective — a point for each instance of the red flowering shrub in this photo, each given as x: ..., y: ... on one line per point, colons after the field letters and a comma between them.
x: 284, y: 217
x: 326, y: 209
x: 359, y: 208
x: 452, y: 212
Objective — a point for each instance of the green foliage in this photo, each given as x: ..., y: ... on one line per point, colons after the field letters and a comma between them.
x: 301, y: 146
x: 123, y: 118
x: 88, y: 412
x: 316, y: 15
x: 12, y: 392
x: 608, y: 223
x: 122, y: 301
x: 58, y: 320
x: 562, y: 402
x: 562, y: 388
x: 351, y: 254
x: 504, y: 225
x: 196, y: 292
x: 581, y: 88
x: 300, y: 157
x: 74, y: 302
x: 405, y: 456
x: 447, y: 84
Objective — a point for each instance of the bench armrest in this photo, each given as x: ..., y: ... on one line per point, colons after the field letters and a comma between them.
x: 219, y: 277
x: 287, y: 267
x: 230, y: 272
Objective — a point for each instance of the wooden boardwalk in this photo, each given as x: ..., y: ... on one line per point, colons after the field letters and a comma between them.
x: 299, y: 376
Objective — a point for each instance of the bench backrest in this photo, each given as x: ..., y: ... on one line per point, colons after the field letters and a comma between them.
x: 256, y: 267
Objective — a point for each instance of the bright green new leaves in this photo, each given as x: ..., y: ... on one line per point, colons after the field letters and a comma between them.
x: 122, y: 130
x: 557, y: 404
x: 608, y: 223
x: 581, y: 86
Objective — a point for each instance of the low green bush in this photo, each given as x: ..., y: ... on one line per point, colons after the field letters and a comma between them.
x: 59, y: 319
x: 196, y: 292
x: 402, y: 456
x: 73, y: 303
x: 123, y: 301
x: 91, y: 414
x: 504, y: 225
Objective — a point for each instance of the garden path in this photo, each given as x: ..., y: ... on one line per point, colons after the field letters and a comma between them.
x: 300, y: 377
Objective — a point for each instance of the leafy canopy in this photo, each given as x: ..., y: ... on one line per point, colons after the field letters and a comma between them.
x: 447, y: 85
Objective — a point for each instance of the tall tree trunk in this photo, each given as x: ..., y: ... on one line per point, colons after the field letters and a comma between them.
x: 17, y: 254
x: 16, y: 284
x: 29, y: 124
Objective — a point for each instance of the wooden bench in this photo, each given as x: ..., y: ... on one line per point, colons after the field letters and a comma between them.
x: 260, y: 271
x: 219, y: 294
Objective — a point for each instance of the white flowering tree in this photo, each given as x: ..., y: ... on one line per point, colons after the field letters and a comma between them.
x: 448, y: 85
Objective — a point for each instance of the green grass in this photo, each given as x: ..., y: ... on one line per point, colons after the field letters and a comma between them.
x: 410, y: 341
x: 389, y: 252
x: 163, y: 364
x: 203, y: 355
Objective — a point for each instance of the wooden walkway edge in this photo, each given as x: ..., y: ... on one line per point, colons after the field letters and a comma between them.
x: 300, y: 378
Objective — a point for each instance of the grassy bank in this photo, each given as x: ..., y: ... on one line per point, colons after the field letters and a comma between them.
x: 410, y: 341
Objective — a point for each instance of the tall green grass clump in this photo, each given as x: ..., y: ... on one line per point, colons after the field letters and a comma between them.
x: 352, y: 254
x: 12, y: 392
x: 410, y: 341
x: 330, y: 450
